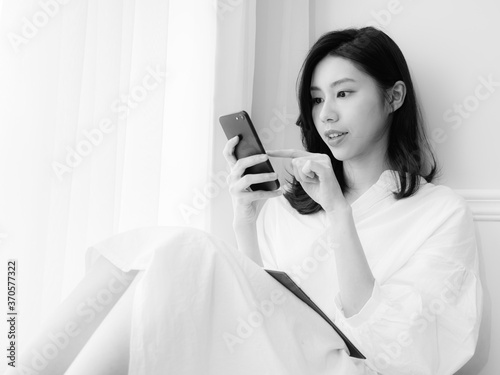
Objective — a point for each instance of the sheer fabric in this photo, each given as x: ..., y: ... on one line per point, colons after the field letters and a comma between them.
x: 202, y: 307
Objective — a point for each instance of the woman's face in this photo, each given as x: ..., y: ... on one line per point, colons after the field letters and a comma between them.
x: 348, y: 105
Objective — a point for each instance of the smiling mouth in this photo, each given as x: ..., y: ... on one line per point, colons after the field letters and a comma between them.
x: 331, y: 134
x: 336, y: 135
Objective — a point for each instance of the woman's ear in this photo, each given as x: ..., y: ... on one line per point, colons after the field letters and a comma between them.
x: 396, y: 96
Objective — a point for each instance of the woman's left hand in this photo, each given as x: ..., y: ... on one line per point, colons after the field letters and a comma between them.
x: 315, y: 173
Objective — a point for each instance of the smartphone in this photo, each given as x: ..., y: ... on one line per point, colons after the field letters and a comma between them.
x: 239, y: 124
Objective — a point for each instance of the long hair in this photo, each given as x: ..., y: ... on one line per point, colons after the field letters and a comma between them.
x: 376, y: 54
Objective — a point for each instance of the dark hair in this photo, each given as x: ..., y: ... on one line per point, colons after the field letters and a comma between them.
x: 376, y: 54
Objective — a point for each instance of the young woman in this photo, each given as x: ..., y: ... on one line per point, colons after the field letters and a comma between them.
x: 390, y: 257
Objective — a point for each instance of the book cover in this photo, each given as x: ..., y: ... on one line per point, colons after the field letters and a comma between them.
x: 287, y: 282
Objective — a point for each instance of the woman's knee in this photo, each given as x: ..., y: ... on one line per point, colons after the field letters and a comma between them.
x: 186, y: 244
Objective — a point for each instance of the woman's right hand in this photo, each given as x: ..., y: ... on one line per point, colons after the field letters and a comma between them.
x: 244, y: 199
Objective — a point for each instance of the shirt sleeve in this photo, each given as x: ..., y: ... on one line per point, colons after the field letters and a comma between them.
x: 266, y: 230
x: 425, y: 318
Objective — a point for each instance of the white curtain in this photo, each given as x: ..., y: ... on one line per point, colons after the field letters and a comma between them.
x: 109, y: 121
x: 261, y: 46
x: 107, y: 116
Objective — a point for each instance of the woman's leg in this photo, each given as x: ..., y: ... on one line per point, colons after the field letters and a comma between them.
x: 107, y: 351
x: 64, y: 335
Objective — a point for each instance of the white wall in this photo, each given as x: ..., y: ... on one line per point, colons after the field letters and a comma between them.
x: 452, y: 48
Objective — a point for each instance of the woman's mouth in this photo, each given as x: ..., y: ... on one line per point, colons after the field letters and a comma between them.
x: 334, y: 137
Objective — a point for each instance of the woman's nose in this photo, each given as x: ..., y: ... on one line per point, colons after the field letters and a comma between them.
x: 328, y: 113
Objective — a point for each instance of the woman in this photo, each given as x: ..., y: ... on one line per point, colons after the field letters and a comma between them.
x: 390, y: 257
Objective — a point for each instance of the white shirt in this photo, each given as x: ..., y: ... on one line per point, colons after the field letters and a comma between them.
x: 424, y: 314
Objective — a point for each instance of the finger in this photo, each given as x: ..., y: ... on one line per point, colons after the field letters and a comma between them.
x: 239, y: 168
x: 251, y: 179
x: 243, y: 183
x: 297, y: 172
x: 228, y: 150
x: 242, y: 164
x: 307, y: 170
x: 288, y: 153
x: 263, y: 194
x: 303, y: 171
x: 318, y: 169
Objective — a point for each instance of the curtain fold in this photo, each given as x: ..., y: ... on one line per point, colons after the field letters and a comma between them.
x: 261, y: 46
x: 283, y: 43
x: 110, y: 122
x: 106, y: 109
x: 234, y: 75
x: 187, y: 111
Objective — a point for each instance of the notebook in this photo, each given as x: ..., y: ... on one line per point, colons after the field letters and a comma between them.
x: 288, y: 283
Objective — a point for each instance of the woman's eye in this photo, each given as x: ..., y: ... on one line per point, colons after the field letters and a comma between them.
x: 342, y: 94
x: 317, y: 100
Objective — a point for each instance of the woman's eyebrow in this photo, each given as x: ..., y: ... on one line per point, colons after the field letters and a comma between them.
x: 333, y: 84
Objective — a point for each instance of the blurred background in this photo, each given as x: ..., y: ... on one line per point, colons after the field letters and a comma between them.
x: 109, y: 119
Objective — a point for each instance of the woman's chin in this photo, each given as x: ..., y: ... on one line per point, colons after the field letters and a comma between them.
x: 340, y: 155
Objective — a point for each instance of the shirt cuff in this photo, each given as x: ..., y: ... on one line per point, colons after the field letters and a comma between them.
x: 366, y: 311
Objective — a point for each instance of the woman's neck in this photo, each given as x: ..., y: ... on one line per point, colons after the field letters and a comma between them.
x: 360, y: 177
